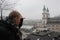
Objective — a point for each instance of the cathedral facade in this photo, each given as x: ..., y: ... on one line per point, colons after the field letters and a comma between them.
x: 48, y: 23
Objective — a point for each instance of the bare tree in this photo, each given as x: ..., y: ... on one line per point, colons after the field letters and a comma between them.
x: 5, y: 6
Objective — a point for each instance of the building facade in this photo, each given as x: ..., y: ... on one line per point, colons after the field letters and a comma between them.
x: 48, y: 23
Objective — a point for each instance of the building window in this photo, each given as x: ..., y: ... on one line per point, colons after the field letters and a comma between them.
x: 56, y: 25
x: 56, y: 28
x: 44, y: 26
x: 49, y: 25
x: 43, y: 15
x: 52, y: 28
x: 52, y: 25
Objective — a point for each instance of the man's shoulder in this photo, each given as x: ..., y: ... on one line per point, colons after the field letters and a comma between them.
x: 3, y: 30
x: 3, y: 26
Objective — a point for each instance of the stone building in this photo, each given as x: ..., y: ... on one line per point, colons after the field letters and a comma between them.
x: 48, y: 23
x: 48, y: 35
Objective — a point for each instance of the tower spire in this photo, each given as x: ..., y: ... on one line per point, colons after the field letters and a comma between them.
x: 44, y: 8
x: 47, y: 10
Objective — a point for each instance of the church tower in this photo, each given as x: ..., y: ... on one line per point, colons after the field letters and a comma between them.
x: 45, y: 15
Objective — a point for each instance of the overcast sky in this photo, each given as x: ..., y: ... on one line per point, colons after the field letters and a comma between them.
x: 32, y: 9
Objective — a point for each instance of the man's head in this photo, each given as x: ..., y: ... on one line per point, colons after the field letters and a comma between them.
x: 15, y: 17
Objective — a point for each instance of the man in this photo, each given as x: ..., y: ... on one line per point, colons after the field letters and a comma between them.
x: 9, y: 29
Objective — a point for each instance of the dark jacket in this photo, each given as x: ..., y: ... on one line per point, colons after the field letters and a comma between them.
x: 9, y: 31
